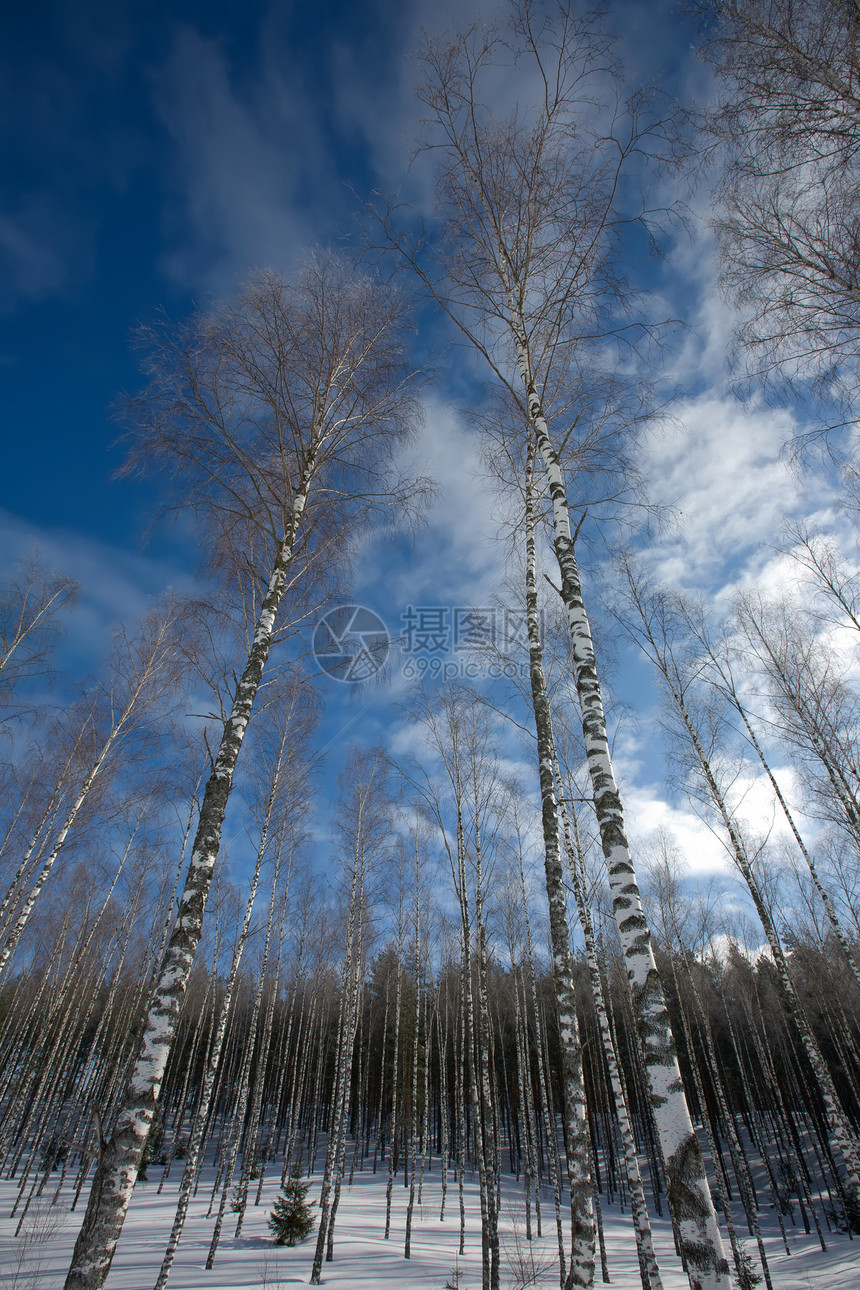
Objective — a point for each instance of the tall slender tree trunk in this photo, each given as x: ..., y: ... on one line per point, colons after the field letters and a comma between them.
x: 687, y: 1184
x: 848, y: 950
x: 414, y: 1123
x: 649, y: 1270
x: 547, y: 1113
x: 580, y: 1270
x: 340, y: 1102
x: 726, y: 684
x: 395, y: 1075
x: 837, y: 1121
x: 192, y: 1158
x: 251, y: 1158
x: 119, y: 1157
x: 157, y: 653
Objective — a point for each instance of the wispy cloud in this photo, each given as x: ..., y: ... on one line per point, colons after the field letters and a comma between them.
x: 723, y: 469
x: 116, y: 586
x: 248, y: 173
x: 41, y: 250
x: 456, y: 557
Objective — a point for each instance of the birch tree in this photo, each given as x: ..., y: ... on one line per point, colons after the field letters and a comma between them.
x: 530, y: 208
x: 718, y: 656
x: 364, y: 826
x: 816, y: 708
x: 131, y: 702
x: 702, y: 726
x: 273, y: 412
x: 581, y: 1270
x: 788, y: 125
x: 464, y: 802
x: 282, y: 803
x: 648, y: 1268
x: 31, y: 607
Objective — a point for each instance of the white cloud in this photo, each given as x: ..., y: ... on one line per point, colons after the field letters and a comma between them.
x: 42, y: 250
x: 378, y: 99
x: 116, y: 586
x: 456, y: 558
x: 248, y: 167
x: 723, y: 470
x: 703, y: 841
x: 646, y: 812
x: 264, y: 157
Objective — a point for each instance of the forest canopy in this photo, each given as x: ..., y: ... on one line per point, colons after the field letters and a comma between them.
x: 463, y: 787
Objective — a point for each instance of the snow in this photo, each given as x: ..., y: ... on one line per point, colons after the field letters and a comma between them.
x: 362, y: 1258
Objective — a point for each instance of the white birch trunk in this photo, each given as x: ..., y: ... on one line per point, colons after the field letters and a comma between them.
x: 248, y: 1041
x: 460, y: 1096
x: 727, y: 686
x: 545, y: 1100
x: 395, y: 1085
x: 659, y: 651
x: 346, y: 1039
x: 250, y: 1156
x: 837, y: 1120
x: 580, y: 1270
x: 119, y: 1158
x: 649, y: 1270
x: 742, y: 1172
x: 829, y: 909
x: 687, y: 1185
x: 117, y: 731
x: 814, y: 726
x: 189, y: 1172
x: 260, y: 1140
x: 30, y: 857
x: 413, y: 1126
x: 442, y: 1039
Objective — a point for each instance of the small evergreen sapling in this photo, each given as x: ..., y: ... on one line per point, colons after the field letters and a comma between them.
x: 292, y: 1220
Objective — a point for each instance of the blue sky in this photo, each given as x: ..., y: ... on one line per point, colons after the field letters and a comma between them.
x: 152, y: 154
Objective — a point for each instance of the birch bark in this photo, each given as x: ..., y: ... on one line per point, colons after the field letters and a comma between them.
x: 816, y: 708
x: 189, y: 1172
x: 152, y: 663
x: 727, y: 685
x: 648, y: 1268
x: 414, y: 1121
x: 657, y: 645
x: 687, y: 1186
x: 364, y: 826
x: 119, y: 1158
x: 546, y: 1108
x: 395, y: 1073
x: 581, y: 1267
x: 527, y: 202
x: 249, y: 405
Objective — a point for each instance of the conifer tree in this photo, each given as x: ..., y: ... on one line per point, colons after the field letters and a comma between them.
x: 291, y: 1219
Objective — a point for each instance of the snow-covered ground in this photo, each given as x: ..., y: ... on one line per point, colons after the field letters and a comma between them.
x: 362, y: 1258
